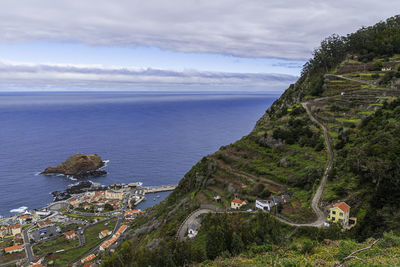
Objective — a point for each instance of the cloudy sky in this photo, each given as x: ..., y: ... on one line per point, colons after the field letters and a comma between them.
x: 169, y: 45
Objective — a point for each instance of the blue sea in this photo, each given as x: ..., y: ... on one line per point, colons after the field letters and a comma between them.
x: 154, y: 138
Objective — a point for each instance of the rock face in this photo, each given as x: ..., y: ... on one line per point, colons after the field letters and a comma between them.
x: 79, y: 166
x: 75, y: 189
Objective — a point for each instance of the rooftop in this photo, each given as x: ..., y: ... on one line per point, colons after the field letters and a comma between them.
x: 13, y: 248
x: 70, y: 233
x: 236, y: 200
x: 342, y: 206
x: 108, y: 243
x: 88, y: 258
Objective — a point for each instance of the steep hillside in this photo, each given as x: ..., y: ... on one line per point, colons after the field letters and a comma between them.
x: 350, y: 91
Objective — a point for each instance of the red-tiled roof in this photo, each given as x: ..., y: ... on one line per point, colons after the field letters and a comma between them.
x: 132, y: 212
x: 70, y: 233
x: 13, y: 248
x: 88, y: 258
x: 108, y: 243
x: 343, y: 206
x: 236, y: 200
x: 121, y: 230
x: 18, y: 236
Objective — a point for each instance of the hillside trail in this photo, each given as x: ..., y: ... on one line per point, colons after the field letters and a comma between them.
x: 354, y: 80
x: 315, y: 201
x: 321, y: 217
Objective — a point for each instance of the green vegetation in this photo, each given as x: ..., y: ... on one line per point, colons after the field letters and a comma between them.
x: 305, y: 252
x: 91, y: 240
x: 11, y: 257
x: 88, y: 218
x: 285, y: 153
x: 53, y: 245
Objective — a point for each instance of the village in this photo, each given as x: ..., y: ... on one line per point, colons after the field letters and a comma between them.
x: 79, y: 229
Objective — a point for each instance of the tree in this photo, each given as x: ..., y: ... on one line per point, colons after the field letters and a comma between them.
x: 108, y: 207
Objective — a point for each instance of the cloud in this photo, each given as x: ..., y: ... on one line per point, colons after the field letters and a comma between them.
x: 284, y: 29
x: 31, y: 76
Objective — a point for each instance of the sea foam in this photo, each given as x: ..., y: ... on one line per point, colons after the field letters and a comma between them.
x: 19, y: 210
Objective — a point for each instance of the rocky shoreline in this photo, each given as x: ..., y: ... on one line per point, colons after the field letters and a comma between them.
x: 75, y: 189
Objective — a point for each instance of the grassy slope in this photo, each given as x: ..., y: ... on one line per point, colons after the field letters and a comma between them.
x: 239, y: 168
x: 283, y: 153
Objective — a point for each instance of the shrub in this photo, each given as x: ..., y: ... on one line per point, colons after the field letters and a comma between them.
x: 390, y: 239
x: 307, y: 247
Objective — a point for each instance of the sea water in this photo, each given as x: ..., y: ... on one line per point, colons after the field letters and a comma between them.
x: 154, y: 138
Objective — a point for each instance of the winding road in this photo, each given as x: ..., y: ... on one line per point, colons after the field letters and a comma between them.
x: 321, y: 217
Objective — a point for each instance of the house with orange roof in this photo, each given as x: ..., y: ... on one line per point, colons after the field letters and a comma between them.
x: 36, y: 265
x: 130, y: 214
x: 108, y: 243
x: 22, y: 219
x: 88, y: 258
x: 339, y: 212
x: 13, y: 249
x: 104, y: 233
x: 237, y: 203
x: 70, y: 235
x: 120, y: 231
x: 46, y: 223
x: 74, y: 202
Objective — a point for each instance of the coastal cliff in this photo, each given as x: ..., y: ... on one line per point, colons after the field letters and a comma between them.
x: 79, y: 165
x: 346, y: 96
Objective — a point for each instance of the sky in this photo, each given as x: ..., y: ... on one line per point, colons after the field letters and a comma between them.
x: 182, y: 45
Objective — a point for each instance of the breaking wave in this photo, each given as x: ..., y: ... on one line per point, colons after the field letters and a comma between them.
x: 19, y: 210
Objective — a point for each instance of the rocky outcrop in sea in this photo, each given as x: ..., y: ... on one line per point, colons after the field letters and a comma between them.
x: 79, y: 166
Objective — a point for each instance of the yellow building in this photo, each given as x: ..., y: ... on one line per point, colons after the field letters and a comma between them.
x: 237, y: 203
x: 339, y: 212
x: 110, y: 194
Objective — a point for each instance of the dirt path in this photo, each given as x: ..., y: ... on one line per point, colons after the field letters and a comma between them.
x: 321, y: 217
x: 354, y: 80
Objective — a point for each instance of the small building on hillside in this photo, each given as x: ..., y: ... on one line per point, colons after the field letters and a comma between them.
x: 193, y: 230
x: 13, y: 249
x: 120, y: 231
x: 70, y: 235
x: 339, y: 212
x: 131, y: 214
x: 108, y: 243
x: 237, y: 203
x: 264, y: 204
x: 88, y: 258
x: 217, y: 199
x: 104, y: 233
x: 281, y: 199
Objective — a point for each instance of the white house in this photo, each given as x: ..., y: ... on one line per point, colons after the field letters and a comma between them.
x: 192, y: 230
x: 264, y: 204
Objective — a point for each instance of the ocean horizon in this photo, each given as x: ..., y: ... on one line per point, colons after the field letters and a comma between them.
x: 149, y: 137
